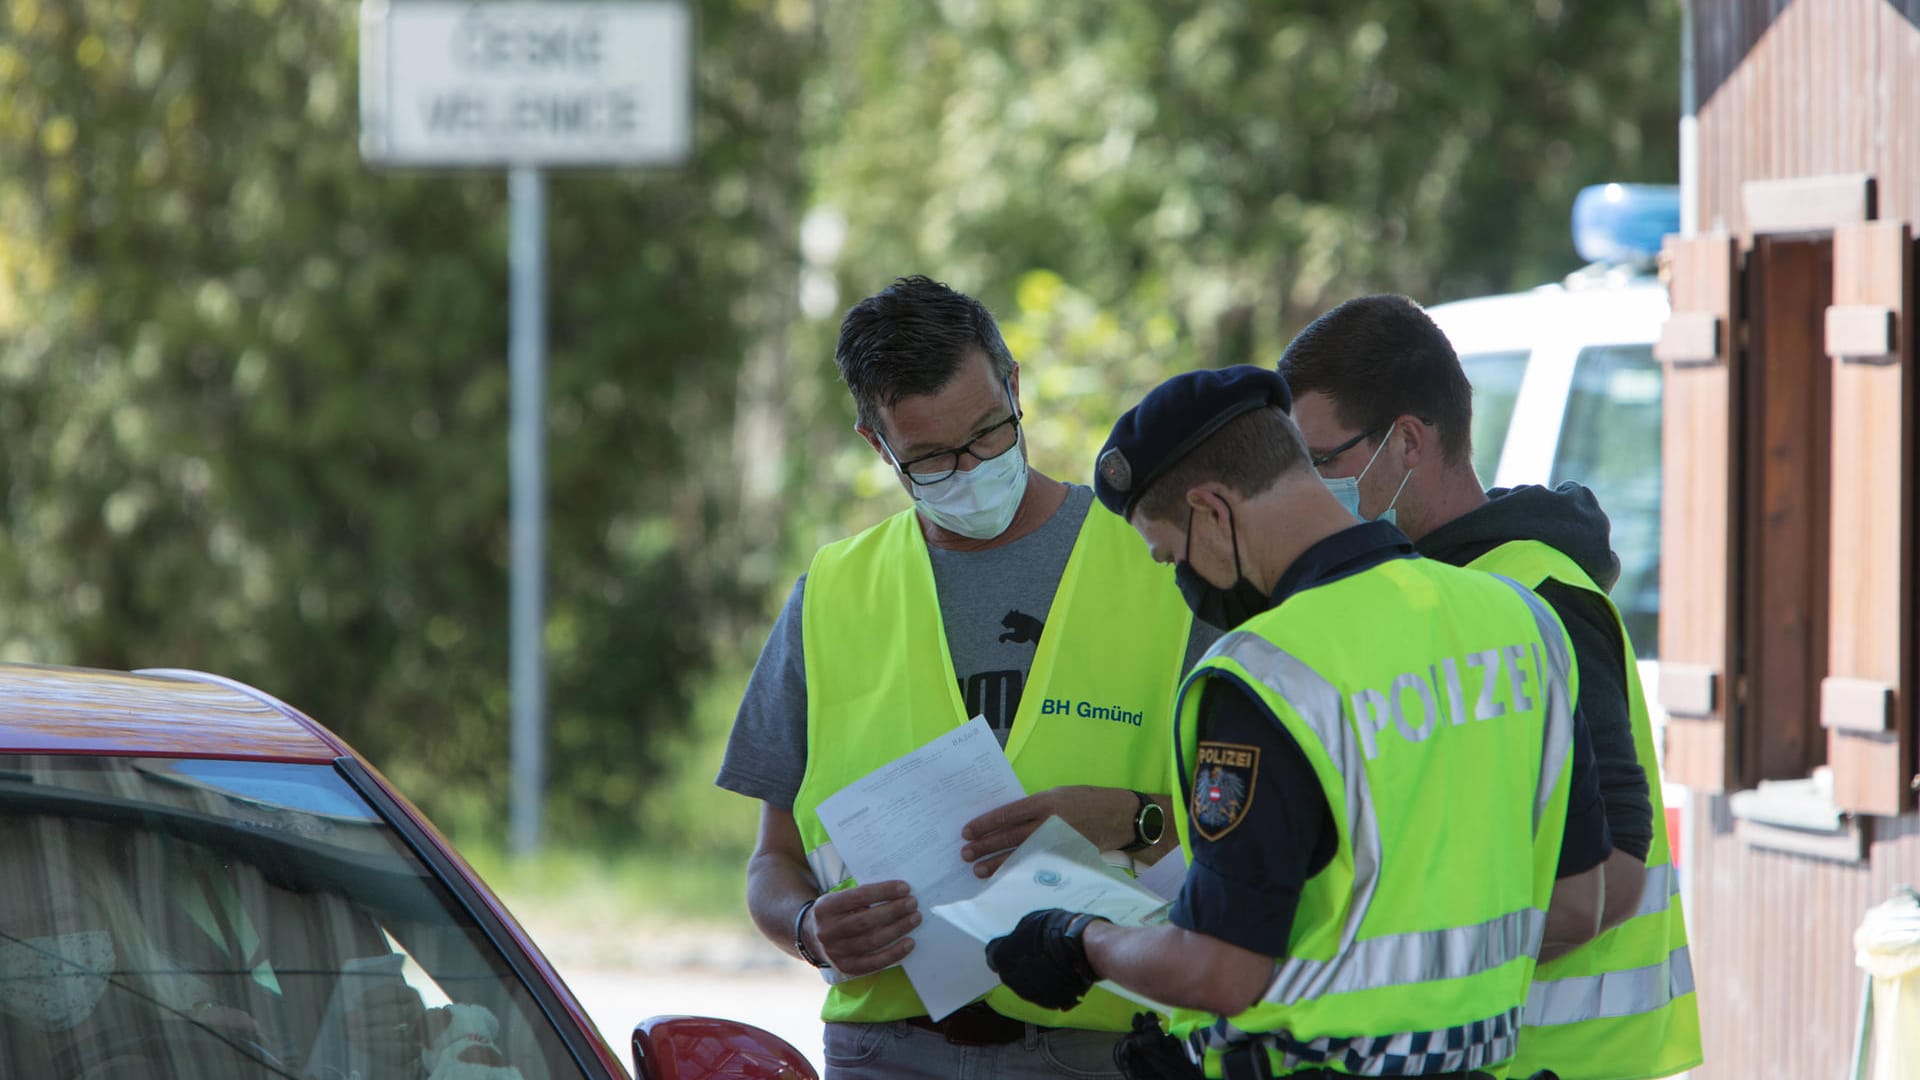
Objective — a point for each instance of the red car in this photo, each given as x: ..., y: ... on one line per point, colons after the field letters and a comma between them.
x: 197, y: 880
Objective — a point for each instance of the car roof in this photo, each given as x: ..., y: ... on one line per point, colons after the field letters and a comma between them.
x: 162, y: 713
x: 1617, y: 311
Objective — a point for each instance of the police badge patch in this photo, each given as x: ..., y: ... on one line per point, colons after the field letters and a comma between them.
x: 1115, y: 470
x: 1223, y: 787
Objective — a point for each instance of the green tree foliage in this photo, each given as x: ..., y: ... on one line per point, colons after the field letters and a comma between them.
x: 253, y: 399
x: 255, y: 403
x: 1240, y: 160
x: 1222, y: 169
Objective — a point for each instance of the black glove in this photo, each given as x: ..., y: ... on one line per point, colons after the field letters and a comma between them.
x: 1044, y: 960
x: 1151, y: 1054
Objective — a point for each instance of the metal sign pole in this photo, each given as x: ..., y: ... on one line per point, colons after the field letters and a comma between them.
x: 526, y: 84
x: 527, y: 275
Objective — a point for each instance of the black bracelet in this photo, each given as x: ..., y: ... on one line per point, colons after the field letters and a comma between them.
x: 800, y: 938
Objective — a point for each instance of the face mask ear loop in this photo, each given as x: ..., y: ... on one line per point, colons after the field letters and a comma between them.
x: 1376, y: 457
x: 1377, y: 451
x: 1233, y: 533
x: 1395, y: 501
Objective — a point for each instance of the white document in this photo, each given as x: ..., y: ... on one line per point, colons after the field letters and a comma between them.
x: 902, y: 821
x: 1166, y: 876
x: 1057, y: 868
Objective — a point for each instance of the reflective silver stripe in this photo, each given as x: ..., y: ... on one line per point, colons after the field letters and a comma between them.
x: 829, y: 869
x: 1559, y: 731
x: 1656, y: 899
x: 1422, y: 956
x: 1680, y: 972
x: 1320, y: 706
x: 1663, y: 884
x: 1611, y: 993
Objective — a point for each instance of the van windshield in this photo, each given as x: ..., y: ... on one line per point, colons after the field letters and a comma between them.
x: 1610, y: 441
x: 1495, y: 377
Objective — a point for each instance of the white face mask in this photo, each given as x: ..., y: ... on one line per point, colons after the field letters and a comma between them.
x: 55, y: 981
x: 1347, y: 488
x: 979, y: 502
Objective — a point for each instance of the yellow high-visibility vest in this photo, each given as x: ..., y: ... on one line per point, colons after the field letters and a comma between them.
x: 1096, y: 709
x: 1435, y: 706
x: 1622, y: 1006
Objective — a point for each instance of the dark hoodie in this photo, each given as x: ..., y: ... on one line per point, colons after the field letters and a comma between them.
x: 1569, y: 519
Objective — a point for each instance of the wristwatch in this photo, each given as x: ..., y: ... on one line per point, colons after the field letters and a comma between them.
x: 1149, y: 823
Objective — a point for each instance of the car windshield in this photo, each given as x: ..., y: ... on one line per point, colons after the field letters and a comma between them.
x: 186, y: 918
x: 1495, y: 377
x: 1610, y: 441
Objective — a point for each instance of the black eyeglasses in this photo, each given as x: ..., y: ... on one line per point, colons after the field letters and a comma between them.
x: 986, y: 446
x: 1348, y: 445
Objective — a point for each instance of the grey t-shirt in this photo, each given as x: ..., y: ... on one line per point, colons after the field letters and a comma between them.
x: 994, y: 605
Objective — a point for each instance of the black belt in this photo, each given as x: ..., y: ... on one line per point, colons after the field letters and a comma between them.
x: 975, y: 1025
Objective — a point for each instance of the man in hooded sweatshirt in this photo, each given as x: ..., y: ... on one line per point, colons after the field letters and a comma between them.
x: 1386, y: 411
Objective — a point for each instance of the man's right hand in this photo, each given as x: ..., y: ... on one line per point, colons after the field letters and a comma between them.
x: 1043, y: 960
x: 863, y: 929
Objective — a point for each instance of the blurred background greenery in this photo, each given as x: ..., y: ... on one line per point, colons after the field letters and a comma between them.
x: 253, y: 393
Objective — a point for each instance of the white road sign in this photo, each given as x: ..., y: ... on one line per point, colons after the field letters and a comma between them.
x: 513, y: 82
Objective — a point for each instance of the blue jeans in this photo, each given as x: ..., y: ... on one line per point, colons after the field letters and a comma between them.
x: 888, y: 1051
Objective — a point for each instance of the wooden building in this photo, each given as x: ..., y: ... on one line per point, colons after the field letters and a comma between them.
x: 1788, y: 621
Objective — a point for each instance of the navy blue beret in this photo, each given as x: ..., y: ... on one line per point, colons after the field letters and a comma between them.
x: 1171, y: 420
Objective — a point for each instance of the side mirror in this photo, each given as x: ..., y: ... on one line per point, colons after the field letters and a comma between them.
x: 703, y: 1048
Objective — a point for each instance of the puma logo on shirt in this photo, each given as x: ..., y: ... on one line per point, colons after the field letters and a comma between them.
x: 1022, y: 629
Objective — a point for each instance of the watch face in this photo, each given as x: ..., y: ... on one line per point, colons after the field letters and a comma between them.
x: 1151, y: 823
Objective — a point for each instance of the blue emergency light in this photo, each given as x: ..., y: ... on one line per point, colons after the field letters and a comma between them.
x: 1623, y: 223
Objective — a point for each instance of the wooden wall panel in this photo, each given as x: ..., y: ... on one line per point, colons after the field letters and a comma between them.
x: 1896, y: 118
x: 1697, y: 485
x: 1871, y: 635
x: 1772, y: 937
x: 1807, y: 88
x: 1807, y: 203
x: 1800, y: 88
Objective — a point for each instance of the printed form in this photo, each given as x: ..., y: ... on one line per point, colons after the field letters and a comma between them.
x: 902, y: 821
x: 1058, y: 868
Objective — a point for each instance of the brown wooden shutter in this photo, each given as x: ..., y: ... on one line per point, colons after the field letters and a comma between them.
x: 1866, y: 700
x: 1699, y: 346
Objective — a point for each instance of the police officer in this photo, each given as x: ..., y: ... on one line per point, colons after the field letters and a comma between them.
x: 1374, y: 769
x: 1004, y: 593
x: 1387, y: 412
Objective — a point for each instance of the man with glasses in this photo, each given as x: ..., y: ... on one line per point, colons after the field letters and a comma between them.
x: 999, y: 595
x: 1387, y: 414
x: 1380, y: 785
